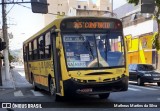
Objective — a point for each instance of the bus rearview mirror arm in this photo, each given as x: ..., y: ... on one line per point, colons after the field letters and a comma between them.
x: 56, y: 31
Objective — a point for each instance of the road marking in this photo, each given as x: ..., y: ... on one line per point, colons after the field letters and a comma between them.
x: 18, y: 93
x: 133, y: 89
x: 132, y: 82
x: 36, y: 93
x: 144, y: 87
x: 22, y: 74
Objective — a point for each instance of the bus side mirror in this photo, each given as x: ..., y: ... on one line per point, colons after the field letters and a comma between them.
x: 60, y: 42
x: 59, y: 45
x: 57, y: 30
x: 39, y: 6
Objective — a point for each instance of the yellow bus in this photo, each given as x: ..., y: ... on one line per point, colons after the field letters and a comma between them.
x: 78, y: 55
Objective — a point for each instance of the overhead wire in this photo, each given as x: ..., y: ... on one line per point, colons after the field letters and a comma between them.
x: 24, y: 6
x: 11, y: 8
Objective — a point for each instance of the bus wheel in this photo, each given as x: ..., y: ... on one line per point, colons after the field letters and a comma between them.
x: 51, y: 88
x: 104, y: 96
x: 52, y: 91
x: 139, y: 82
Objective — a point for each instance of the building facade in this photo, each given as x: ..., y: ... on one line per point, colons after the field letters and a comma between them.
x: 138, y: 29
x: 60, y: 8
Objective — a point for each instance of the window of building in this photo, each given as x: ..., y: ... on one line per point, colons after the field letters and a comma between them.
x: 47, y: 45
x: 58, y: 13
x: 63, y: 13
x: 94, y: 6
x: 85, y: 7
x: 59, y: 4
x: 79, y: 6
x: 108, y: 8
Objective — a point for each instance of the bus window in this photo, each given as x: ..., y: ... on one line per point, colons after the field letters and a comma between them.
x: 81, y: 51
x: 30, y: 51
x: 25, y: 53
x: 41, y: 47
x: 47, y: 45
x: 35, y: 52
x: 108, y: 48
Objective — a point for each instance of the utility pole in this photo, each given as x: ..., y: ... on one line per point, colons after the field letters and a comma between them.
x: 5, y: 37
x: 112, y: 5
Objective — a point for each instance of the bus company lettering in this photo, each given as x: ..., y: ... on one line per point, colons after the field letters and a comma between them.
x: 76, y: 64
x: 73, y: 39
x: 34, y: 67
x: 48, y: 64
x: 93, y: 25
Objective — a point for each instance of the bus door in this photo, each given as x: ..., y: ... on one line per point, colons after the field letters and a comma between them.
x: 56, y: 63
x: 27, y: 72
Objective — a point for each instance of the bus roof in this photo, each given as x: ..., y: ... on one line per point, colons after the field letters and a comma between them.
x: 57, y: 22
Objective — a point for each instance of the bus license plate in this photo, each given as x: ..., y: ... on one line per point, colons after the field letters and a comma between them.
x: 87, y: 90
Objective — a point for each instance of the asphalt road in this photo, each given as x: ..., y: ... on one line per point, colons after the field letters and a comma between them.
x: 137, y: 96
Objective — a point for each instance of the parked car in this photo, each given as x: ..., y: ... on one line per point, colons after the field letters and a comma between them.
x: 143, y: 73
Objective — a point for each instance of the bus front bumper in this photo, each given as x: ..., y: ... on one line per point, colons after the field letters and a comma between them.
x: 72, y: 87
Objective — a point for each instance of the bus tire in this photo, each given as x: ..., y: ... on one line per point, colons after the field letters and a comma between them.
x: 52, y: 91
x: 139, y: 82
x: 51, y: 88
x: 104, y: 96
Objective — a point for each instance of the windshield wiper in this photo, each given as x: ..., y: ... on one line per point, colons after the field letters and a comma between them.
x: 87, y: 45
x: 89, y: 48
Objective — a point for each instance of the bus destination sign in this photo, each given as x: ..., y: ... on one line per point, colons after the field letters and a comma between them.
x: 92, y: 25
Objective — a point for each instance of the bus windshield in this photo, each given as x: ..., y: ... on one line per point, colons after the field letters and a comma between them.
x: 83, y: 50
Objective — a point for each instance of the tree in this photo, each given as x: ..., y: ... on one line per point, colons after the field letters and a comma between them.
x: 133, y: 1
x: 11, y: 58
x: 156, y: 36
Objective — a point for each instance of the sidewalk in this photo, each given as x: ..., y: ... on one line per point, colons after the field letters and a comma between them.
x: 6, y: 83
x: 17, y: 79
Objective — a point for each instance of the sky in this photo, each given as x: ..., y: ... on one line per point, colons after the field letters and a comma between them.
x: 22, y: 23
